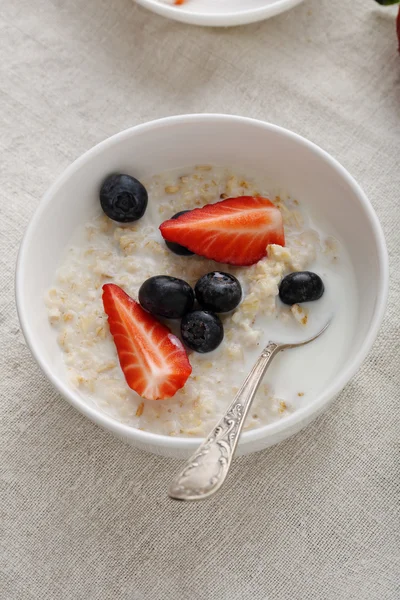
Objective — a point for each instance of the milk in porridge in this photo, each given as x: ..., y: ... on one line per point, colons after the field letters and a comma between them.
x: 103, y: 251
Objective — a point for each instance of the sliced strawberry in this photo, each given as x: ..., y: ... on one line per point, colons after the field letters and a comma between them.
x: 235, y: 231
x: 154, y: 361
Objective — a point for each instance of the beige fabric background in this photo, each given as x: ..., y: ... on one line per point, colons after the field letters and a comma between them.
x: 84, y: 516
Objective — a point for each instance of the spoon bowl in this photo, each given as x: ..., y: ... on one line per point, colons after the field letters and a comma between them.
x: 206, y: 470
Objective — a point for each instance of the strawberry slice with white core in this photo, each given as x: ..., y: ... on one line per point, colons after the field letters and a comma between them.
x: 153, y: 360
x: 236, y: 231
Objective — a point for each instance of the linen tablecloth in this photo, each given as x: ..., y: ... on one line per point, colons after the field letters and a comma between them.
x: 84, y: 516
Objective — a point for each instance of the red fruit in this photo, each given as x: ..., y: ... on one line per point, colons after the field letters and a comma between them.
x: 154, y: 361
x: 398, y: 27
x: 235, y: 231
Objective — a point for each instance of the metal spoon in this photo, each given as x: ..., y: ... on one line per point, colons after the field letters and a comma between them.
x: 206, y: 470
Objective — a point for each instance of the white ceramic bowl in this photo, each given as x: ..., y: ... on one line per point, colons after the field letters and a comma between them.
x: 302, y: 167
x: 220, y: 13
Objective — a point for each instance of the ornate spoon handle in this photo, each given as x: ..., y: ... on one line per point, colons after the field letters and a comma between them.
x: 205, y: 471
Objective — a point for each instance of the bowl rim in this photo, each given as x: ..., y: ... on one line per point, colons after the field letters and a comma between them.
x: 239, y: 17
x: 248, y: 437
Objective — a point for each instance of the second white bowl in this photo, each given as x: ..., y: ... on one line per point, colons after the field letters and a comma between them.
x: 220, y: 13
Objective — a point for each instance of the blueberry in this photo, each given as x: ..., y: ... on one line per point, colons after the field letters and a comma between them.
x: 219, y: 292
x: 202, y: 331
x: 123, y: 198
x: 166, y: 296
x: 177, y: 248
x: 303, y: 286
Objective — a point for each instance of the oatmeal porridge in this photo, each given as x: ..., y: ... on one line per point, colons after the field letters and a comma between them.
x: 104, y: 251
